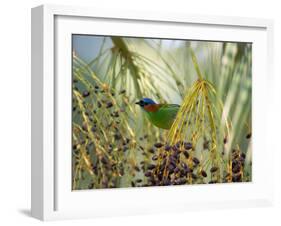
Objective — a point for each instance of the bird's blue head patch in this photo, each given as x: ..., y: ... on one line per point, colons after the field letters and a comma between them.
x: 145, y: 101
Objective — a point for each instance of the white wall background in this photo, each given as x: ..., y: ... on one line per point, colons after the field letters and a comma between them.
x: 15, y: 111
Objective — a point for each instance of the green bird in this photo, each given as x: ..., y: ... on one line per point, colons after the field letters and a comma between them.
x: 160, y: 115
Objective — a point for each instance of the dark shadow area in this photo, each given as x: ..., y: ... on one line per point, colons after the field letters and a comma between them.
x: 26, y: 212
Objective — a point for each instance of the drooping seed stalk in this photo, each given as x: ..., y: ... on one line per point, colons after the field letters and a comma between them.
x: 197, y: 102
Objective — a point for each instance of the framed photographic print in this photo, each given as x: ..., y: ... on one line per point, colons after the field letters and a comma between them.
x: 135, y: 112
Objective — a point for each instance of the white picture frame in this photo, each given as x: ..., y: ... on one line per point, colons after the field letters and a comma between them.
x: 52, y: 197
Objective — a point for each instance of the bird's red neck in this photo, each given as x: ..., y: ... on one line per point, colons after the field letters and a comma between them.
x: 152, y: 107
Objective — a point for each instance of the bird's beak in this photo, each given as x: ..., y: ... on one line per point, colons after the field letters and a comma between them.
x: 138, y: 103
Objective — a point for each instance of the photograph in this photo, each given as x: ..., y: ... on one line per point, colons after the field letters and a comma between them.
x: 156, y: 111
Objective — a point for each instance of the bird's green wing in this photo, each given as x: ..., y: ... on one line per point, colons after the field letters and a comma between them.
x: 165, y: 115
